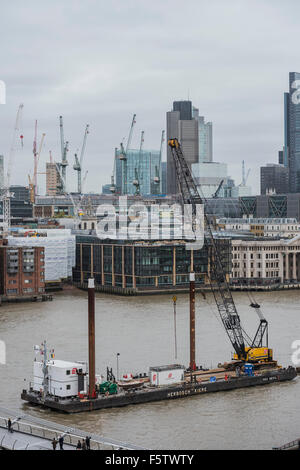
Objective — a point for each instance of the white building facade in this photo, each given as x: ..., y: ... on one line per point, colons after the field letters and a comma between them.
x: 266, y: 259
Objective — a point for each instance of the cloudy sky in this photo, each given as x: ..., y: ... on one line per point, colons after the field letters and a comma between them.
x: 99, y: 61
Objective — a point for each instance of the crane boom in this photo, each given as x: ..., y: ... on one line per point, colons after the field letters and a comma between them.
x: 219, y: 285
x: 6, y: 194
x: 130, y: 133
x: 123, y: 156
x: 64, y: 150
x: 78, y: 162
x: 84, y: 144
x: 218, y: 189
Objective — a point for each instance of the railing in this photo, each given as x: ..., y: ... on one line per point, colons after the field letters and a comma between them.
x: 289, y: 445
x: 48, y: 430
x: 49, y: 434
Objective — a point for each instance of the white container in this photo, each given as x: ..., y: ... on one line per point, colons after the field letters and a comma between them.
x: 166, y: 375
x: 62, y: 377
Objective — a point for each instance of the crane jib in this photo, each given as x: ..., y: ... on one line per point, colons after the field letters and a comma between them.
x: 218, y: 282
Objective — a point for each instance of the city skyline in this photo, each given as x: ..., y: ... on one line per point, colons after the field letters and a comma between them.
x: 241, y: 93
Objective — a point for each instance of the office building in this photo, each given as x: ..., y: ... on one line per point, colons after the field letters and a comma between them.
x: 181, y: 125
x: 132, y: 267
x: 106, y: 189
x: 289, y: 156
x: 205, y: 138
x: 261, y: 261
x: 1, y: 171
x: 20, y: 193
x: 164, y: 177
x: 209, y: 177
x: 139, y: 174
x: 260, y: 227
x: 274, y: 179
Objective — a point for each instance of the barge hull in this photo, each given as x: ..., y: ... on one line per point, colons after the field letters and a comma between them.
x: 159, y: 393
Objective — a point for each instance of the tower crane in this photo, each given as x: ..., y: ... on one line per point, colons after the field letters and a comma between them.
x: 84, y: 180
x: 76, y: 205
x: 137, y: 171
x: 36, y: 159
x: 112, y: 184
x: 158, y: 167
x: 254, y: 352
x: 78, y: 162
x: 64, y: 150
x: 6, y: 194
x: 34, y: 182
x: 123, y: 155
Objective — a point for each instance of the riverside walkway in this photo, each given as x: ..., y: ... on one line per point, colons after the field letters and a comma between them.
x: 33, y: 433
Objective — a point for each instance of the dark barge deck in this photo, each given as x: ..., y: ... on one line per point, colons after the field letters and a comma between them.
x: 149, y: 394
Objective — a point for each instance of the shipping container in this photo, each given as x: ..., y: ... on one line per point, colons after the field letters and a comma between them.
x: 166, y: 375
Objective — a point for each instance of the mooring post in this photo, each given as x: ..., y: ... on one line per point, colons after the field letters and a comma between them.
x: 192, y: 322
x: 91, y: 332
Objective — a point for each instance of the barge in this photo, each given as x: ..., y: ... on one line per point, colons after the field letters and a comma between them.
x: 150, y: 393
x: 74, y: 387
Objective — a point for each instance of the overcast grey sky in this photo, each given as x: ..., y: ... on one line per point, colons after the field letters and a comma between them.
x: 98, y: 62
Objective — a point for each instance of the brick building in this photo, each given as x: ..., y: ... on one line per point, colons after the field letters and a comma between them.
x: 22, y: 272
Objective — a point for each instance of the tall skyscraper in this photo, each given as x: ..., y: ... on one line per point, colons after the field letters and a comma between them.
x: 205, y: 138
x: 1, y: 171
x: 291, y: 149
x: 181, y: 125
x: 273, y: 179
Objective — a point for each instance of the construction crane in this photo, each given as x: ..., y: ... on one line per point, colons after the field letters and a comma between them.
x: 64, y: 150
x: 36, y: 159
x: 6, y: 194
x: 218, y: 281
x: 34, y: 182
x: 76, y: 205
x: 137, y: 171
x: 158, y: 167
x: 78, y: 162
x: 112, y: 184
x: 218, y: 189
x: 84, y: 180
x: 123, y: 155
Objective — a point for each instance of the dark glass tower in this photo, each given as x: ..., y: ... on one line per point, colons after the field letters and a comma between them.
x: 292, y: 123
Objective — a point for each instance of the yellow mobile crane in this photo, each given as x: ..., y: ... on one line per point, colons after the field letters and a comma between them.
x: 256, y: 350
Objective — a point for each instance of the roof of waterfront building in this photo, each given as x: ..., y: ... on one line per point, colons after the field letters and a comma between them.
x: 257, y: 220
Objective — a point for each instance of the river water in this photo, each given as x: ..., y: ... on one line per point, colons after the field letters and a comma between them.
x: 141, y: 329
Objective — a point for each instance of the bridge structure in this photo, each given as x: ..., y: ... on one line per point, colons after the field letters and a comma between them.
x: 34, y: 433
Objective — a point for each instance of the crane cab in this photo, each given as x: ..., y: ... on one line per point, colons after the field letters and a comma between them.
x: 173, y: 143
x: 257, y: 354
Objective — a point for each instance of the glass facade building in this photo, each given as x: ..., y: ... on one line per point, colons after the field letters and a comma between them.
x: 292, y: 126
x: 205, y: 138
x: 158, y: 265
x: 144, y: 166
